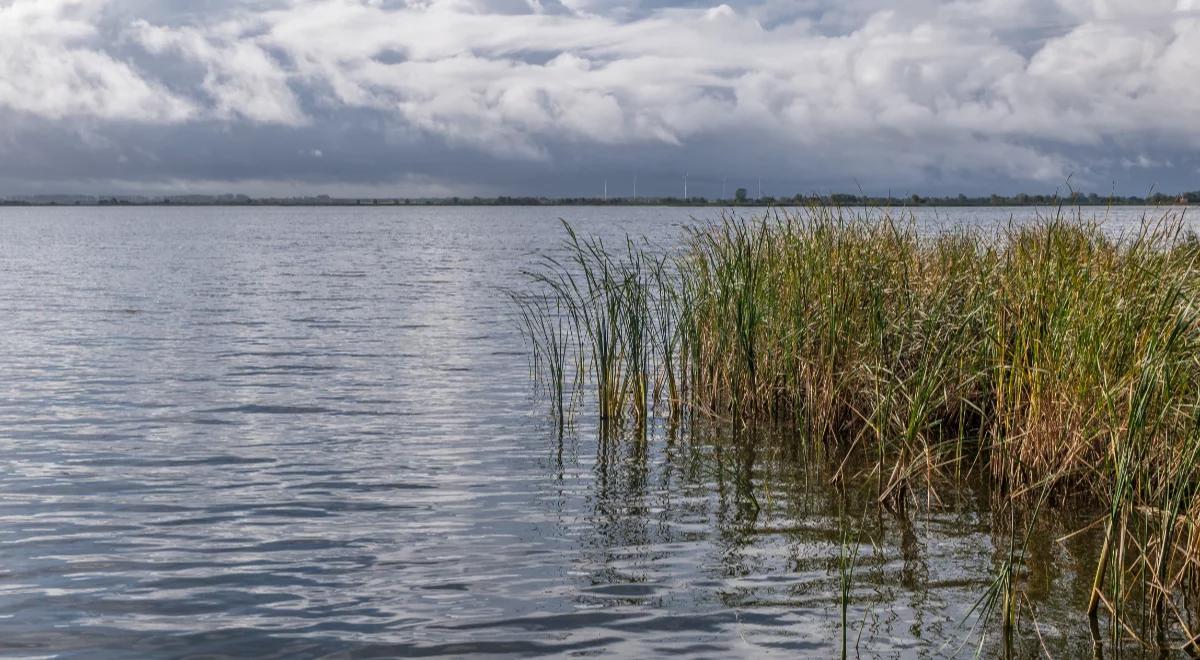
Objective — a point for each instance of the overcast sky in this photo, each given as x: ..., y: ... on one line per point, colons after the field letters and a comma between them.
x: 416, y: 97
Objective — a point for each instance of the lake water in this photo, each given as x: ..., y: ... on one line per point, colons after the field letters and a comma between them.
x: 281, y: 432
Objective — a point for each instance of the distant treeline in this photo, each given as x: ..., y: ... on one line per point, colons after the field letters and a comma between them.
x: 739, y: 199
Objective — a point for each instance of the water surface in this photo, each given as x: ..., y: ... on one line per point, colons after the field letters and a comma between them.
x: 279, y: 432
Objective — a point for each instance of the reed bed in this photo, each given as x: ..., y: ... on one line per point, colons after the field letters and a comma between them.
x: 1057, y: 359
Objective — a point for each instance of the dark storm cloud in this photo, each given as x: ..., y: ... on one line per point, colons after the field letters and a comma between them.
x: 555, y: 96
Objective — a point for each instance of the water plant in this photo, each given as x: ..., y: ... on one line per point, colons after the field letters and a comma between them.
x: 1057, y: 357
x: 545, y: 322
x: 848, y: 549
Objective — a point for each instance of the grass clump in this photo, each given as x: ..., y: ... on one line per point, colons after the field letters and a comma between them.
x: 1051, y: 356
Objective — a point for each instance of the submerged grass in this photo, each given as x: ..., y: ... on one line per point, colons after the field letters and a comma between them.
x: 1054, y: 358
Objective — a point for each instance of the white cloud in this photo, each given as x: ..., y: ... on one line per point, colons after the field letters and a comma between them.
x: 1144, y: 161
x: 962, y: 86
x: 52, y: 64
x: 240, y: 79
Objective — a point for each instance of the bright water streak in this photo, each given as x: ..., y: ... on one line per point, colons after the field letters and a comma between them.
x: 303, y: 431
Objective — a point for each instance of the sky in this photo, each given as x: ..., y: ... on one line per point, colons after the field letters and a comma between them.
x: 557, y: 97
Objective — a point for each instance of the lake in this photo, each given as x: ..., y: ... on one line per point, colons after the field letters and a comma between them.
x: 281, y: 432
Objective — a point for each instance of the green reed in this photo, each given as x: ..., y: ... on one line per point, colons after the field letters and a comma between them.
x: 848, y: 552
x: 1051, y: 356
x: 544, y: 322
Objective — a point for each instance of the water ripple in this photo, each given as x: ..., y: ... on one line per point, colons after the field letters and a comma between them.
x: 309, y: 432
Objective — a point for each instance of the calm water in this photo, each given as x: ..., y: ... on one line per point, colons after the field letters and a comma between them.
x: 303, y: 432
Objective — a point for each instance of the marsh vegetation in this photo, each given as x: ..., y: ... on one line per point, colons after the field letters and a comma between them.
x: 1053, y: 361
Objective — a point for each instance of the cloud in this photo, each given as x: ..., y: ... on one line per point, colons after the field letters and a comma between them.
x: 812, y: 92
x: 241, y: 80
x: 52, y: 64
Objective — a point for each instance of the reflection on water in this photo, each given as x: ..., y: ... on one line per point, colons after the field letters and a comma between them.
x: 296, y: 432
x: 746, y: 529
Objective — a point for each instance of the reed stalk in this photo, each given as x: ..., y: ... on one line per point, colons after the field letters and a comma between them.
x: 1055, y: 356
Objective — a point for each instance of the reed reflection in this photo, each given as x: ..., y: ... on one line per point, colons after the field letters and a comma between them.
x: 747, y: 521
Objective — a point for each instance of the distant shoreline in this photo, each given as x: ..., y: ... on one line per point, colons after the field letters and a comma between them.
x: 837, y: 199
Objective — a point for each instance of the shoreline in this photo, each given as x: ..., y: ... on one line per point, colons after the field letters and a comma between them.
x: 1181, y: 200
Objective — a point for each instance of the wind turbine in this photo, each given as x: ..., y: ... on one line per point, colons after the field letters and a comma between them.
x: 606, y: 190
x: 685, y: 186
x: 635, y: 186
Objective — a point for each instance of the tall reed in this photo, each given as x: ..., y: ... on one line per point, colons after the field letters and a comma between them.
x: 1056, y: 357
